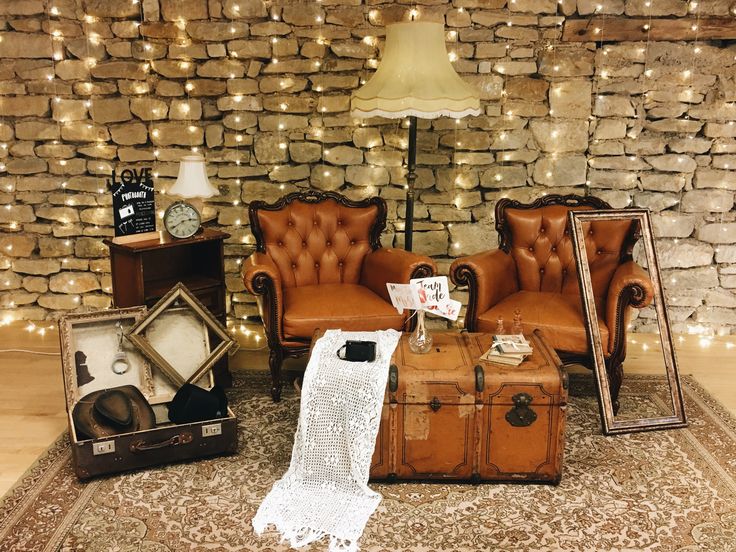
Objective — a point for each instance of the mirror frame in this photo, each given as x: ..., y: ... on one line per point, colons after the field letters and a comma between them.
x: 610, y: 425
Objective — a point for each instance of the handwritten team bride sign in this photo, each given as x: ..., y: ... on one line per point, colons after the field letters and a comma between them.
x: 427, y: 294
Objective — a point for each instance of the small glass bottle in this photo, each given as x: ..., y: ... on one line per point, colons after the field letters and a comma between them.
x: 420, y: 340
x: 517, y: 328
x: 499, y: 326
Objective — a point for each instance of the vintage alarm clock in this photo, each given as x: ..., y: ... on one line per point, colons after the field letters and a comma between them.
x: 182, y: 220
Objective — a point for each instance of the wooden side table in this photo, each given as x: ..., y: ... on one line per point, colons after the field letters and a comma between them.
x: 144, y: 270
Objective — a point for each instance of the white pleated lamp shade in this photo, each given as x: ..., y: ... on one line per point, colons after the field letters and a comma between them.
x: 415, y: 78
x: 192, y: 180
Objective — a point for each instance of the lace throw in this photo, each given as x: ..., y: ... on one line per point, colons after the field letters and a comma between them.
x: 325, y: 490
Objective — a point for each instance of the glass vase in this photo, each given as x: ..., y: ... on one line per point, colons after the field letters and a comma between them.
x: 420, y: 340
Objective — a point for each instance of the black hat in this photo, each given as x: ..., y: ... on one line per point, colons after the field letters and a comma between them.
x: 194, y: 404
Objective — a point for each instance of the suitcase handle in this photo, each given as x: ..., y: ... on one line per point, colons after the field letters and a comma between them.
x: 183, y: 438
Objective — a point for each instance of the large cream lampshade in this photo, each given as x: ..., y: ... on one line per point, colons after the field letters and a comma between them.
x: 192, y: 181
x: 415, y: 79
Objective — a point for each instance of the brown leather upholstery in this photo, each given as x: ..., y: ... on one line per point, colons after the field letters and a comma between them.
x: 542, y: 249
x: 559, y: 315
x: 322, y: 243
x: 346, y: 306
x: 319, y: 264
x: 534, y: 271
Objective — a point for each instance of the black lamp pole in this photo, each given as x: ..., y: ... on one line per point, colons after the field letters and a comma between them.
x: 411, y: 176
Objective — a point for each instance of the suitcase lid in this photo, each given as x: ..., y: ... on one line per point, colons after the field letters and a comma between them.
x: 452, y: 373
x: 89, y: 342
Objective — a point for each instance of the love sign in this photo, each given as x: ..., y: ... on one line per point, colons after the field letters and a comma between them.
x: 133, y: 205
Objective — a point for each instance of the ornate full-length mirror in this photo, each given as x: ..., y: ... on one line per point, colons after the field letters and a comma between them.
x: 639, y: 387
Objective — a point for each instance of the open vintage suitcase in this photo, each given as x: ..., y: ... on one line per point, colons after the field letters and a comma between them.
x: 448, y: 416
x: 166, y: 443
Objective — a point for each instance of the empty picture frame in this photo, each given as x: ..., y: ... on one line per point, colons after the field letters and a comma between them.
x: 179, y: 296
x: 182, y: 338
x: 672, y: 415
x: 89, y: 343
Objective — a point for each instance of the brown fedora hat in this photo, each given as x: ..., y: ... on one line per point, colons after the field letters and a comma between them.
x: 113, y: 411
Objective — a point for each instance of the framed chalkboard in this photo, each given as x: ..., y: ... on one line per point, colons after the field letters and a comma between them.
x: 133, y: 205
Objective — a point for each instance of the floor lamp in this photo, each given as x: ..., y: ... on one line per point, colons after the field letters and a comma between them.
x: 415, y: 79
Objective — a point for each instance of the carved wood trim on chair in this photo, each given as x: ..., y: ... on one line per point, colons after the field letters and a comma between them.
x: 571, y: 200
x: 315, y: 196
x: 464, y: 276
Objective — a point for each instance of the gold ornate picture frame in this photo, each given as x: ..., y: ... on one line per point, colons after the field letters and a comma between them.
x: 89, y: 344
x: 612, y: 425
x: 177, y: 297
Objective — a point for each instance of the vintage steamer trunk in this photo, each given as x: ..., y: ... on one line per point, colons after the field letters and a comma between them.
x: 166, y: 443
x: 448, y: 416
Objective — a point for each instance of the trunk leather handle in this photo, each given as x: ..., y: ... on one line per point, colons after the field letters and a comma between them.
x: 183, y: 438
x: 480, y: 380
x: 393, y: 378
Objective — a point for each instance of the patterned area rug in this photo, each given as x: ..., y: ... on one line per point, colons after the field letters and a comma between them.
x: 671, y: 490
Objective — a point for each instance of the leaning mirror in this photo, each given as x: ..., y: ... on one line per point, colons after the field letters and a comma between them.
x: 626, y: 321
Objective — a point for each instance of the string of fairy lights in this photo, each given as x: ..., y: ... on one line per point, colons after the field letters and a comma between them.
x: 92, y: 37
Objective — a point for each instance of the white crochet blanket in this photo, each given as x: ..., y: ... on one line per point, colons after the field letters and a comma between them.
x: 325, y: 490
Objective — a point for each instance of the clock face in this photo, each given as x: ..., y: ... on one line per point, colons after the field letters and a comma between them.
x: 181, y: 220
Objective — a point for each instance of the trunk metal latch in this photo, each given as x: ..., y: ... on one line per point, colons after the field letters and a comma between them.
x: 521, y: 415
x: 435, y: 404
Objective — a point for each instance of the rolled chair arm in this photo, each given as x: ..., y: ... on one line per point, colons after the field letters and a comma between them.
x: 263, y: 279
x: 388, y: 265
x: 630, y: 286
x: 490, y: 277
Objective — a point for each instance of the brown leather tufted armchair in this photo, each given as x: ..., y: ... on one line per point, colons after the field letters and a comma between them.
x: 533, y: 270
x: 319, y: 264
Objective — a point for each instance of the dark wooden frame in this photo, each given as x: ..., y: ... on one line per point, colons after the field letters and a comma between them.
x: 265, y: 288
x: 606, y: 398
x: 631, y: 295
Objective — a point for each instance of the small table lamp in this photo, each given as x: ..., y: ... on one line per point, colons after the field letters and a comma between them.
x: 415, y: 79
x: 192, y: 182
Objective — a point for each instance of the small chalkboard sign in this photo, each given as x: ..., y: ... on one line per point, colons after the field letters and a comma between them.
x: 133, y: 205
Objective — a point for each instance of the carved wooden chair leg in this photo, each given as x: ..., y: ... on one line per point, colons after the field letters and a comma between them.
x: 275, y: 359
x: 615, y: 373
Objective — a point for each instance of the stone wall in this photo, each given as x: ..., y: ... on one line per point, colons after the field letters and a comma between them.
x: 263, y: 89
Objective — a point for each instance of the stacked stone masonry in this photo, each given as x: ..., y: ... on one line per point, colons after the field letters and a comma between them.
x: 262, y: 88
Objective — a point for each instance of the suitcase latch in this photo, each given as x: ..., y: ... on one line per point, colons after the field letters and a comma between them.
x: 103, y: 447
x: 435, y: 404
x: 521, y: 415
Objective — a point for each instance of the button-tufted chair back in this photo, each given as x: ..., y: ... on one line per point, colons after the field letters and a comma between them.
x: 539, y: 241
x: 318, y: 237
